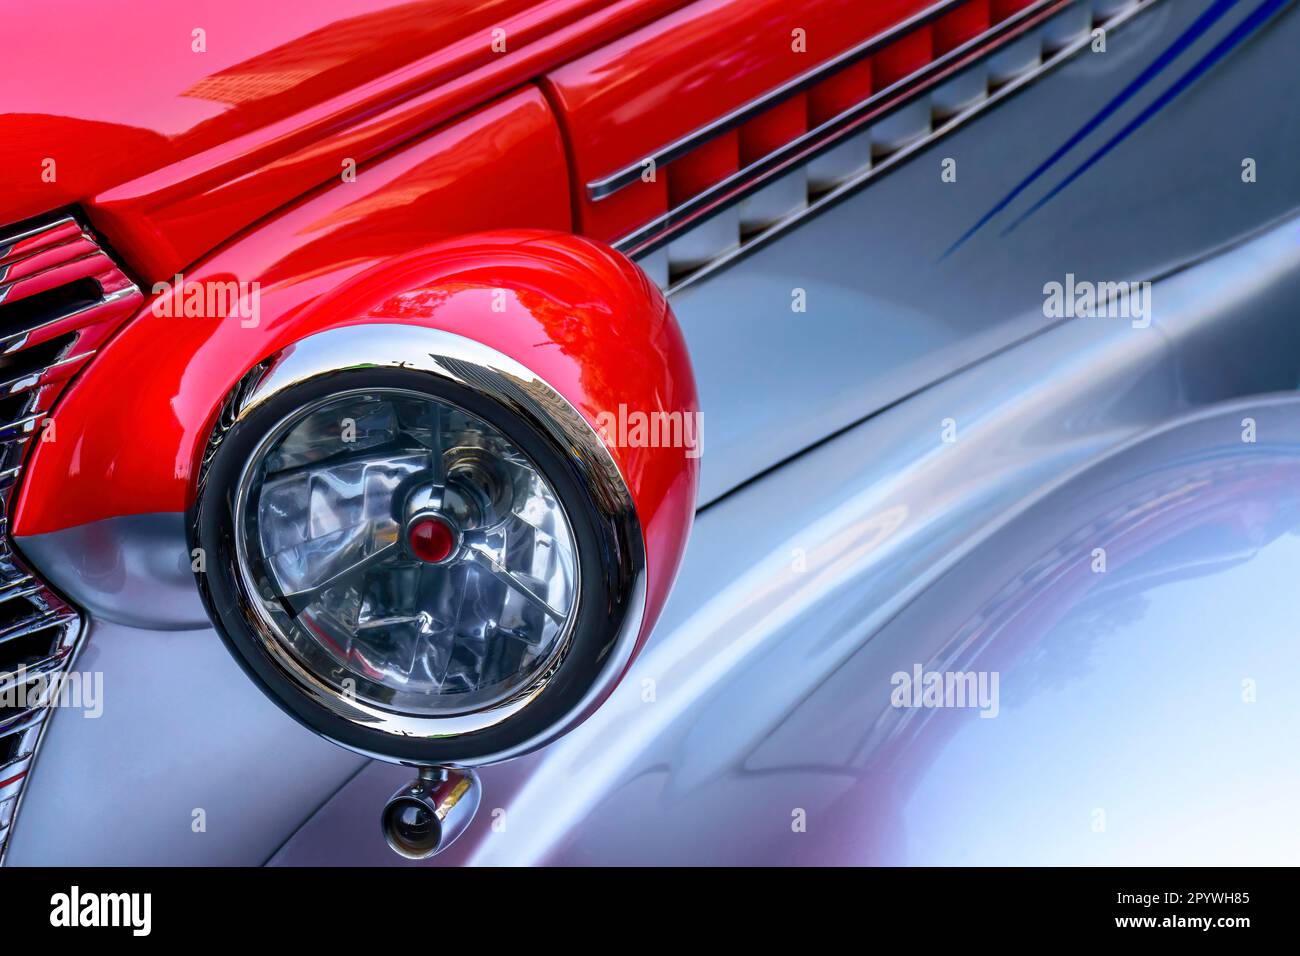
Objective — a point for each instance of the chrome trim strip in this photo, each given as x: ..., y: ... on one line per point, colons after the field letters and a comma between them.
x: 852, y: 186
x: 10, y: 586
x: 11, y: 632
x: 606, y: 186
x: 7, y: 265
x: 91, y: 264
x: 10, y: 593
x: 18, y: 340
x: 22, y: 722
x: 42, y: 668
x: 52, y: 229
x: 7, y: 769
x: 19, y: 426
x: 31, y: 380
x: 24, y: 383
x: 806, y: 147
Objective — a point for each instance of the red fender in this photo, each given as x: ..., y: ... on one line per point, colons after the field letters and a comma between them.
x: 132, y: 429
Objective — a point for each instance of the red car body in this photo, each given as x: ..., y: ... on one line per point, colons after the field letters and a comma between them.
x: 335, y: 141
x: 329, y: 156
x: 175, y: 129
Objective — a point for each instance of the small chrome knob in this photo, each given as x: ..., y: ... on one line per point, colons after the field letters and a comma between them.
x: 425, y: 817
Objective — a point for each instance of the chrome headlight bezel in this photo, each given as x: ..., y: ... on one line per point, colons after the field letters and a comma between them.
x: 605, y: 624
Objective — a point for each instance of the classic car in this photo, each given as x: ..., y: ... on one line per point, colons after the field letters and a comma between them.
x: 649, y: 432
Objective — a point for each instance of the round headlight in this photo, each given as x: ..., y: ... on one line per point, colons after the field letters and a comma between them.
x: 406, y: 552
x: 417, y: 547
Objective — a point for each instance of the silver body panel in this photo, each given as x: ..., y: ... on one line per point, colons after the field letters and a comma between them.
x: 182, y: 730
x: 770, y: 670
x: 887, y: 313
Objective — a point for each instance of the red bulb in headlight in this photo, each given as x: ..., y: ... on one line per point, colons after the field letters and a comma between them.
x: 431, y: 540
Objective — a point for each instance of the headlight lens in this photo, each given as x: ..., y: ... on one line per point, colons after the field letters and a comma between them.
x: 406, y: 553
x: 416, y: 546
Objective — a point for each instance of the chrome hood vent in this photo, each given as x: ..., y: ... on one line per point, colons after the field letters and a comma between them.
x: 61, y: 297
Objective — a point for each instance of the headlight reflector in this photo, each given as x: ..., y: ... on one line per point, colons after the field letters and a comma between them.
x: 406, y: 552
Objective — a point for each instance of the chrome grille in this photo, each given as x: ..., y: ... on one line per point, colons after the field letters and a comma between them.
x: 61, y: 297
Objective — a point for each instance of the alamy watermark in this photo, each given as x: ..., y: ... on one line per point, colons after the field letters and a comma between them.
x: 637, y: 429
x: 133, y: 911
x: 209, y: 299
x: 1081, y: 299
x: 947, y: 689
x: 80, y: 690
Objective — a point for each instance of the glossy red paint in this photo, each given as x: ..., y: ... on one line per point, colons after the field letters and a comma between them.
x: 773, y: 129
x: 835, y: 94
x: 1001, y: 9
x: 646, y: 90
x: 509, y: 153
x: 578, y: 314
x: 172, y: 149
x: 701, y: 168
x: 965, y: 23
x: 902, y: 58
